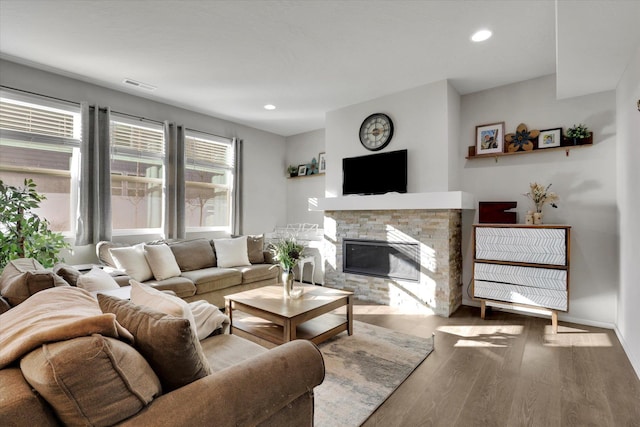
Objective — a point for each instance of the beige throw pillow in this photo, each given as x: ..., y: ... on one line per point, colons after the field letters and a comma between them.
x: 162, y: 262
x: 232, y: 252
x: 133, y: 262
x: 96, y: 280
x: 91, y: 380
x: 168, y: 343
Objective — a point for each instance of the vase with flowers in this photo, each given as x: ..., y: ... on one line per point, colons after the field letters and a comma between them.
x: 287, y: 252
x: 540, y: 195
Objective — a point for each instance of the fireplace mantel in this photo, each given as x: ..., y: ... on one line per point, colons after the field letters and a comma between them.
x: 396, y: 201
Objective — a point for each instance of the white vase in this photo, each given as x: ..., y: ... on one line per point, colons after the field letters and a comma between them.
x: 287, y: 283
x: 537, y: 218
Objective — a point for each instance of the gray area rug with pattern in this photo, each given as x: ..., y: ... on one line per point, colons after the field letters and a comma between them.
x: 363, y: 370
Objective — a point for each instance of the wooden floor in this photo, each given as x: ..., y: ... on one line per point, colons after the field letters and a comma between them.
x: 509, y: 370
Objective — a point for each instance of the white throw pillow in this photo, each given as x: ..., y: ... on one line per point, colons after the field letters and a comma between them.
x: 161, y: 261
x: 133, y: 262
x: 208, y: 318
x: 232, y: 252
x: 96, y: 280
x: 146, y: 295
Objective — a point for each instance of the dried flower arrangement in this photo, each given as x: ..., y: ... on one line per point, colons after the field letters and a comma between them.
x: 540, y: 196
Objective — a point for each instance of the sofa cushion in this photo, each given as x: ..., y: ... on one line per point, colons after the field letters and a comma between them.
x: 213, y: 279
x: 103, y: 250
x: 227, y: 350
x: 259, y: 272
x: 68, y: 273
x: 162, y: 262
x: 193, y: 254
x: 168, y: 343
x: 19, y: 404
x: 255, y: 249
x: 96, y: 280
x: 231, y: 252
x: 182, y: 286
x: 52, y: 315
x: 91, y: 380
x: 133, y: 262
x: 23, y: 277
x: 147, y: 296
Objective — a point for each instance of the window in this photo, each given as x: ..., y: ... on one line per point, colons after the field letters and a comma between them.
x: 40, y: 139
x: 137, y: 161
x: 209, y: 177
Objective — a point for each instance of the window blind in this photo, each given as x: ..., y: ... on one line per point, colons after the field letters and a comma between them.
x: 206, y: 152
x: 127, y: 138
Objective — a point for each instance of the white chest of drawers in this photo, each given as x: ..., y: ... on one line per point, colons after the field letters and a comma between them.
x: 525, y: 265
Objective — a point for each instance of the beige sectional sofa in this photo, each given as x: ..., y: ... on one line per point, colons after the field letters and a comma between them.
x: 201, y: 277
x: 66, y: 360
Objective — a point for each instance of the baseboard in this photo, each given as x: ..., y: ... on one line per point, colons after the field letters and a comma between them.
x: 561, y: 317
x: 635, y: 362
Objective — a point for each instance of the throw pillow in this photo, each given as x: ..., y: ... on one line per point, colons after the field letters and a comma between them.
x: 162, y: 262
x: 103, y: 250
x: 133, y: 262
x: 232, y: 252
x: 52, y: 315
x: 91, y: 380
x: 255, y: 249
x: 23, y: 277
x: 193, y: 254
x: 166, y: 342
x: 68, y: 273
x: 97, y: 280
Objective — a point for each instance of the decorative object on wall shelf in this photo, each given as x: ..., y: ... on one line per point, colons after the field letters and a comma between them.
x: 549, y: 138
x: 322, y: 163
x: 522, y: 140
x: 540, y: 196
x: 292, y: 171
x: 490, y: 138
x: 579, y: 135
x: 312, y: 168
x: 302, y: 170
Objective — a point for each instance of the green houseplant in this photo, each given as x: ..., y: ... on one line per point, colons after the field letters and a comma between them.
x: 24, y: 234
x: 578, y: 134
x: 292, y: 171
x: 287, y: 252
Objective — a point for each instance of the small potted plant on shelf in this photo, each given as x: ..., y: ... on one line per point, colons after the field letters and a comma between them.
x: 579, y: 134
x: 292, y: 171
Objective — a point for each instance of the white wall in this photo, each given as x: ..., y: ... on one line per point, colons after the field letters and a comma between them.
x: 264, y: 183
x: 420, y: 117
x: 585, y: 182
x: 301, y: 149
x: 628, y: 126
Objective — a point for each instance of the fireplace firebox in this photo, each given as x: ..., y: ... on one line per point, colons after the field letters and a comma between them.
x: 377, y: 258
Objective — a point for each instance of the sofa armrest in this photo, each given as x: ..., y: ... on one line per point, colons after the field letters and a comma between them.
x: 245, y: 394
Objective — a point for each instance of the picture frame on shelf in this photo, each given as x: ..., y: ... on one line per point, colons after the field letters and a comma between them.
x: 322, y: 163
x: 549, y: 138
x: 490, y: 138
x: 302, y: 170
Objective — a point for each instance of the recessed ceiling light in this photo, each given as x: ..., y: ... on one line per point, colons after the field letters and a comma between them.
x: 481, y: 36
x: 269, y: 107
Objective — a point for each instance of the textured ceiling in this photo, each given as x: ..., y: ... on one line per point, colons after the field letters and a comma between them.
x: 229, y: 58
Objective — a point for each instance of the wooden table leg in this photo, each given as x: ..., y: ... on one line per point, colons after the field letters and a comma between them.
x: 483, y: 308
x: 554, y: 322
x: 229, y: 312
x: 288, y: 331
x: 350, y: 314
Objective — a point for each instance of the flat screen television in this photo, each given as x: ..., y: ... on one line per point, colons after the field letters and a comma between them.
x: 375, y: 174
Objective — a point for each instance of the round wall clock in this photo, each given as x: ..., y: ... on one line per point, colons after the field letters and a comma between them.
x: 376, y: 132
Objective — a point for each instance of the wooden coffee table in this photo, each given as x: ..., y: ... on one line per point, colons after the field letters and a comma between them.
x: 264, y: 316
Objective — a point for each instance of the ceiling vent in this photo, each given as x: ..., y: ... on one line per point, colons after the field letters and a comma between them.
x: 138, y: 84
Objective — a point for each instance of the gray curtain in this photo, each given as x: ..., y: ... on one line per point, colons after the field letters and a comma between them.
x: 93, y: 220
x: 174, y: 218
x: 237, y: 201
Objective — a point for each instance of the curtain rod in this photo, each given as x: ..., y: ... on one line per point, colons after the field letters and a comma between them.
x: 39, y: 94
x: 134, y: 116
x: 209, y: 133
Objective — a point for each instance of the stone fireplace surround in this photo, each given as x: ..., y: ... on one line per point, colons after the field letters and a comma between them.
x: 433, y: 220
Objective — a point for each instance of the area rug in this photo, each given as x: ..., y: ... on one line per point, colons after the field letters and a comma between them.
x: 363, y: 370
